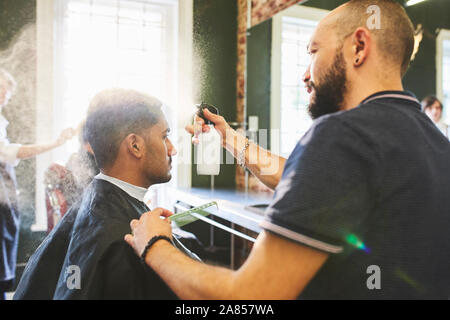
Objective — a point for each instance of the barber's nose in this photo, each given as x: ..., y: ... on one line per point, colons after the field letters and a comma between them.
x: 171, y: 149
x: 307, y: 75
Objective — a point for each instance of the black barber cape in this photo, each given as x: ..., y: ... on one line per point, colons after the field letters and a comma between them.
x: 90, y: 239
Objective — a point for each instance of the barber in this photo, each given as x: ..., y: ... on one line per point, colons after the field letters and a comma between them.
x: 361, y: 206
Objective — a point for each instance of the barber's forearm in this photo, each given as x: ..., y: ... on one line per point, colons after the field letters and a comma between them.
x: 266, y: 166
x: 188, y: 278
x: 29, y: 151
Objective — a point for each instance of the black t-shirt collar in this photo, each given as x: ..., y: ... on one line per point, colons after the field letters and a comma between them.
x: 404, y: 95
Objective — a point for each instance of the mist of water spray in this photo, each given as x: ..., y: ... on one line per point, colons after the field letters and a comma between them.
x: 19, y: 59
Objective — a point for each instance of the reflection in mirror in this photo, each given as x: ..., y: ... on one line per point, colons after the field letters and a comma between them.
x: 276, y: 61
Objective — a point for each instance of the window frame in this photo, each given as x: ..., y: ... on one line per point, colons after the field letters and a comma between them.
x: 296, y: 11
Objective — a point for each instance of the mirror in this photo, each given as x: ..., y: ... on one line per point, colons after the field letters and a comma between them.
x: 276, y: 61
x: 267, y: 102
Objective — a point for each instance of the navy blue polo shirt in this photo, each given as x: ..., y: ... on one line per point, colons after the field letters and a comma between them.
x: 371, y: 187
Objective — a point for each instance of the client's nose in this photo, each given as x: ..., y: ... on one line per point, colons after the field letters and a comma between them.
x: 171, y: 150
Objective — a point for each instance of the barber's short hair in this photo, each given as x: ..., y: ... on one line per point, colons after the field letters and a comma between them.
x: 7, y: 78
x: 113, y: 114
x: 428, y: 101
x: 395, y: 37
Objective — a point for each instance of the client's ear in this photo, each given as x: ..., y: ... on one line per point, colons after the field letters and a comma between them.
x: 135, y: 145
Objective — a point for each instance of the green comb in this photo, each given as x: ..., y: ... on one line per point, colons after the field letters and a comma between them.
x: 185, y: 217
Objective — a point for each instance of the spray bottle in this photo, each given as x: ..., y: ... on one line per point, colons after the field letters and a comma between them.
x: 209, y: 148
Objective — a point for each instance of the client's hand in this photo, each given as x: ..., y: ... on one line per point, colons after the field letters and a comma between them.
x: 149, y: 225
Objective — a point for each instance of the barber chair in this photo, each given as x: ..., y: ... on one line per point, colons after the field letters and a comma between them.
x: 55, y: 201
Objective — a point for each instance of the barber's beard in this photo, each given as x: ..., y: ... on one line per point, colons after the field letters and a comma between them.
x: 328, y: 95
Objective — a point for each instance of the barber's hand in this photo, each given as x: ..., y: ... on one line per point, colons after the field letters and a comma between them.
x: 199, y: 126
x: 65, y: 135
x: 149, y: 225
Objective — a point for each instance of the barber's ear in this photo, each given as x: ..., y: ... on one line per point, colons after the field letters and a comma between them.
x: 135, y: 145
x: 361, y: 43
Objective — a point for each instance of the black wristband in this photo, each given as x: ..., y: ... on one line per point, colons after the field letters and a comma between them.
x: 152, y: 242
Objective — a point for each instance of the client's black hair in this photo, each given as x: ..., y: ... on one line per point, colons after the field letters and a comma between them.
x: 113, y: 114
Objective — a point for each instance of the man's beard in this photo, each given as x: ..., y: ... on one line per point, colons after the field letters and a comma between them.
x: 329, y: 95
x: 161, y: 176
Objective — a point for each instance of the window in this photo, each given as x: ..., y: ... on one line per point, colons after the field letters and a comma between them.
x: 110, y: 43
x: 97, y: 44
x: 443, y: 72
x: 292, y: 30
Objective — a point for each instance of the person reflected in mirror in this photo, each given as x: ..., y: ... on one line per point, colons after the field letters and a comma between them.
x: 10, y: 156
x: 433, y: 108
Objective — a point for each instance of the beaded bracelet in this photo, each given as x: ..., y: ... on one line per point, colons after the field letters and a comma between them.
x: 241, y: 154
x: 152, y: 242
